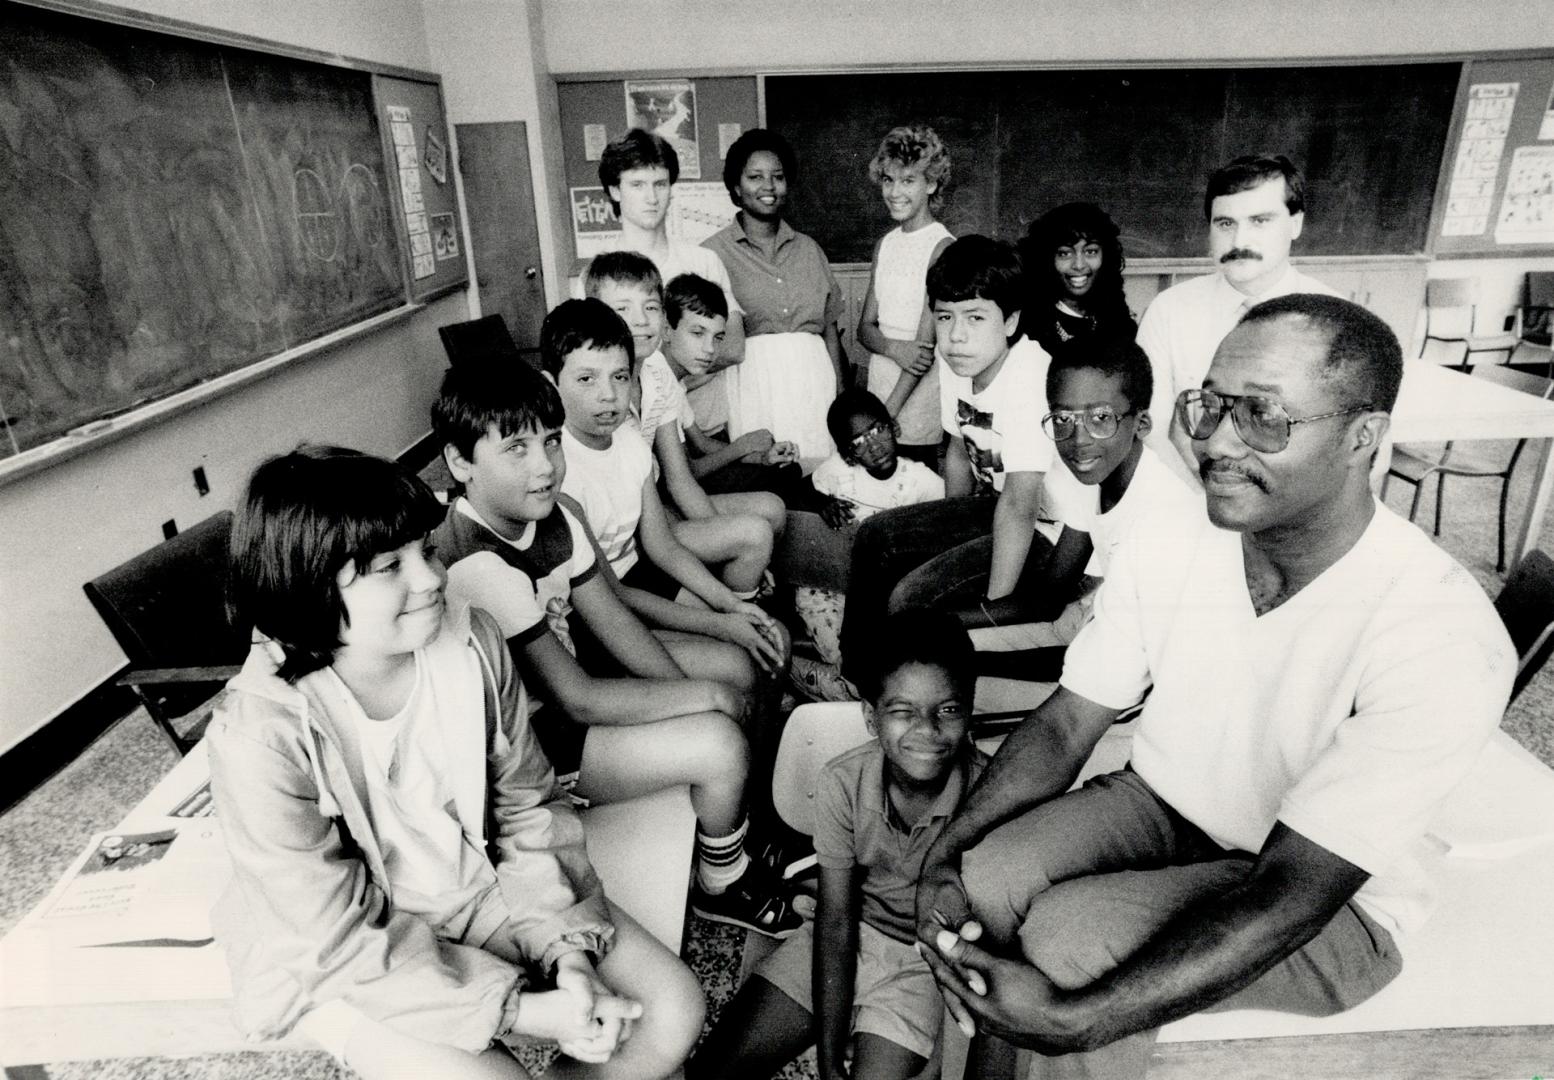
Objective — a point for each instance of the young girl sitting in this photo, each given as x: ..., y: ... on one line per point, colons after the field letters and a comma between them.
x: 912, y: 169
x: 1082, y: 294
x: 410, y: 886
x: 864, y: 477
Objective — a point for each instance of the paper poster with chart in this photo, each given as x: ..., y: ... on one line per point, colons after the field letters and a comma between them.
x: 1476, y: 169
x: 402, y: 130
x: 1527, y: 208
x: 698, y: 210
x: 667, y: 108
x: 418, y: 142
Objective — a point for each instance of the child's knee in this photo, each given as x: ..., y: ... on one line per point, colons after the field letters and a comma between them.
x: 723, y: 747
x: 754, y: 536
x: 773, y: 510
x: 672, y: 1021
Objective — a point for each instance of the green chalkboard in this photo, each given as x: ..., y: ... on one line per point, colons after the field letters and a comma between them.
x: 1139, y: 142
x: 172, y: 210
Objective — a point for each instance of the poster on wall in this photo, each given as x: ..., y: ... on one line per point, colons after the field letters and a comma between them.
x: 595, y: 228
x: 667, y: 108
x: 1527, y: 209
x: 696, y: 211
x: 1477, y: 167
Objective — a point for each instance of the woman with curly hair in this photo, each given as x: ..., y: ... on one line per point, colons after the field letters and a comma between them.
x: 1082, y: 292
x: 912, y: 170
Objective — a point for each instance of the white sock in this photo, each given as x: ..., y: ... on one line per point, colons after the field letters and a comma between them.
x: 721, y: 860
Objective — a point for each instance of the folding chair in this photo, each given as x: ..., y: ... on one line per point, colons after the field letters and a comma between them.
x: 1451, y: 308
x: 484, y: 339
x: 167, y: 610
x: 1526, y: 606
x: 1415, y: 466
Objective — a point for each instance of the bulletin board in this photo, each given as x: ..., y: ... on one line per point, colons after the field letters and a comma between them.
x: 420, y: 165
x: 699, y: 117
x: 1496, y: 194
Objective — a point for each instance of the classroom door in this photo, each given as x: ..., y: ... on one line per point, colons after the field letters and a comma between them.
x: 504, y: 234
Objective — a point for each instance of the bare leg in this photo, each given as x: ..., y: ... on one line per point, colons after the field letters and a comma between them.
x: 706, y: 751
x: 877, y: 1058
x: 739, y: 545
x: 704, y: 658
x: 708, y: 658
x: 759, y: 1032
x: 763, y: 504
x: 639, y: 967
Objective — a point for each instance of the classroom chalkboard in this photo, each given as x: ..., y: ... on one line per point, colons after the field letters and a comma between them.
x: 172, y: 210
x: 1138, y: 141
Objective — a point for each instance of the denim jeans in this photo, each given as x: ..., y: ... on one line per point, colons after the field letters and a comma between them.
x: 923, y: 555
x: 1083, y: 881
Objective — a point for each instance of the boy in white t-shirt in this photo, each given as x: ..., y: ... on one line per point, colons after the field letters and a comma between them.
x: 1098, y: 394
x: 735, y: 533
x: 586, y: 351
x: 865, y: 476
x: 971, y: 546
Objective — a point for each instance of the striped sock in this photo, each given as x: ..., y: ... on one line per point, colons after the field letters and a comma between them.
x: 721, y: 860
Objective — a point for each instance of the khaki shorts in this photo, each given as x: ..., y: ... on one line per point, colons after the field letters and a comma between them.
x: 894, y: 993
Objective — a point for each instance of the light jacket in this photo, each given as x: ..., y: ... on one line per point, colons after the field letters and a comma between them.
x: 310, y: 914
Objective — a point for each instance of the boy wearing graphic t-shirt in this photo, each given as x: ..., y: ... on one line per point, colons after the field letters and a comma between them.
x: 970, y: 547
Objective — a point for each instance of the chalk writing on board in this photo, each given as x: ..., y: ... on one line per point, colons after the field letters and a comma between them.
x: 318, y: 221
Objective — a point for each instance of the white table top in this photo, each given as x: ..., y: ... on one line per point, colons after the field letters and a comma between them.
x: 1438, y: 403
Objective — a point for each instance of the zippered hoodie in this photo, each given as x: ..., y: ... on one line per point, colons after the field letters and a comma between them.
x: 310, y: 916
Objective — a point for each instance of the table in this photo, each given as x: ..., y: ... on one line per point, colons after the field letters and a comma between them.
x: 1437, y: 403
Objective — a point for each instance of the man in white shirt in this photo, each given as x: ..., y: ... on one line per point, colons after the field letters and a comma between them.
x: 1256, y: 208
x: 1321, y: 677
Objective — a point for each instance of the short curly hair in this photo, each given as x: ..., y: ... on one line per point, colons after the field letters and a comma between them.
x: 915, y: 144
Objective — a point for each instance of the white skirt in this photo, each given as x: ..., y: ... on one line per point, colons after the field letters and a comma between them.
x: 921, y: 424
x: 785, y: 385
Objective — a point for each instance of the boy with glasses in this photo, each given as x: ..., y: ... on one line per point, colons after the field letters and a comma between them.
x: 865, y: 476
x: 1098, y: 393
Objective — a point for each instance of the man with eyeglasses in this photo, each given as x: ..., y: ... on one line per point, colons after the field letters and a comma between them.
x: 1320, y: 677
x: 1256, y: 209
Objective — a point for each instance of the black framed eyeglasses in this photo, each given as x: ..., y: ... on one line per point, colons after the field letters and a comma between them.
x: 1263, y: 424
x: 1101, y: 422
x: 874, y: 432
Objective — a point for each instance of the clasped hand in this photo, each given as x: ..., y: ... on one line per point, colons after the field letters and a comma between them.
x: 1009, y: 999
x: 584, y: 1017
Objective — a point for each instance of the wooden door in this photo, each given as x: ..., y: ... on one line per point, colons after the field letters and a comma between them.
x: 504, y: 233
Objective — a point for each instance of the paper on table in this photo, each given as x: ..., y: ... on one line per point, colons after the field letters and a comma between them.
x: 153, y: 885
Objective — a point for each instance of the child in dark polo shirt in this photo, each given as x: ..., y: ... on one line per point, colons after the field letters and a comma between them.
x: 878, y: 809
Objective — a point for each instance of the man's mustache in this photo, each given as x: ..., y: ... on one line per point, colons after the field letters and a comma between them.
x: 1240, y: 253
x: 1212, y: 466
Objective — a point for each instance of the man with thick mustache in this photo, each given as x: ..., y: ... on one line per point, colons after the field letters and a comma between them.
x: 1256, y: 207
x: 1320, y: 677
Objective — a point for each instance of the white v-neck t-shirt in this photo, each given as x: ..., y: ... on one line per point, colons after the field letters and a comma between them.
x: 1348, y: 713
